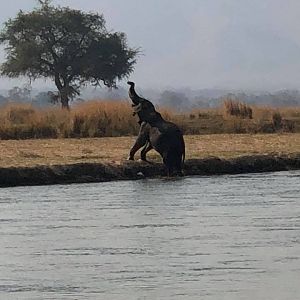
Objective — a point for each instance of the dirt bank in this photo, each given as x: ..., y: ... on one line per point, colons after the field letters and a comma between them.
x: 127, y: 170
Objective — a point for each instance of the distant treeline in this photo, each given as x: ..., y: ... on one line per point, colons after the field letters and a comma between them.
x: 187, y: 99
x: 180, y: 100
x: 196, y: 99
x: 25, y: 95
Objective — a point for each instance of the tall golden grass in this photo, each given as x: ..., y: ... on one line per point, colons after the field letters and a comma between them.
x: 89, y: 119
x: 237, y: 109
x: 114, y: 118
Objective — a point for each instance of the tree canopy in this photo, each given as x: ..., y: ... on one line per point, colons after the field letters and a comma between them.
x: 69, y: 46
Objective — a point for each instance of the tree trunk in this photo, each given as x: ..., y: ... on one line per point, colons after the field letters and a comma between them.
x: 64, y: 101
x: 63, y: 92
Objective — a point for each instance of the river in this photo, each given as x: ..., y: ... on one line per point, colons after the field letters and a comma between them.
x: 217, y: 237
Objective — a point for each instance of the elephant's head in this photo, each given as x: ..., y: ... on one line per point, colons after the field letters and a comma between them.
x: 142, y: 107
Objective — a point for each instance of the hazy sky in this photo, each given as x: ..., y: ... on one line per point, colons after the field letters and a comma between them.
x: 240, y: 44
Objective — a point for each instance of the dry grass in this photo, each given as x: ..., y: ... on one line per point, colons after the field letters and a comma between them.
x: 232, y: 145
x: 263, y: 120
x: 67, y: 151
x: 114, y: 118
x: 53, y: 136
x: 89, y: 119
x: 237, y: 109
x: 103, y: 118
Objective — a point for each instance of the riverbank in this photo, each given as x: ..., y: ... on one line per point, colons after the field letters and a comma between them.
x: 128, y: 170
x: 62, y: 161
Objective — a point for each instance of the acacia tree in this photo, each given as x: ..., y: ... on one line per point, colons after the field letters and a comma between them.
x: 69, y: 46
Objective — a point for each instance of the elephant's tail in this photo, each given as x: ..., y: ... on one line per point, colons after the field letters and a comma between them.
x: 183, y: 152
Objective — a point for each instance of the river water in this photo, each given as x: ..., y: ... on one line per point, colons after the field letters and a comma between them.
x: 220, y: 237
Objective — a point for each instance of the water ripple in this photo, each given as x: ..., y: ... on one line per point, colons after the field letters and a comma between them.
x: 220, y: 237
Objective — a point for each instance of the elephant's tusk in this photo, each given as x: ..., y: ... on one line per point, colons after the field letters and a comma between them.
x: 137, y: 108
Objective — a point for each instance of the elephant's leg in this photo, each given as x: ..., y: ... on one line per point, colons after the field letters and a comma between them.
x: 178, y: 165
x: 168, y: 164
x: 145, y: 150
x: 169, y: 171
x: 140, y: 141
x: 173, y: 162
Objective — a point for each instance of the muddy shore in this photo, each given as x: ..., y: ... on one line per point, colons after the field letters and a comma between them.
x: 128, y: 170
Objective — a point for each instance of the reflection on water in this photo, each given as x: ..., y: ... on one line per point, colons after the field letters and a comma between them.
x: 223, y: 237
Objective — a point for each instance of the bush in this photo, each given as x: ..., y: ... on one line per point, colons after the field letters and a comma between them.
x: 277, y: 120
x: 288, y: 126
x: 237, y: 109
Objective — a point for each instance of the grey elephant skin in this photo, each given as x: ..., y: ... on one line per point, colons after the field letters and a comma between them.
x: 158, y: 134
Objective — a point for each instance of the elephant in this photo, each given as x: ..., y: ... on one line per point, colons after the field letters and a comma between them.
x: 143, y: 139
x: 158, y: 134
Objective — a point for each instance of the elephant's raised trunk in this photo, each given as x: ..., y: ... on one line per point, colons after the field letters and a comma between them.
x: 142, y: 107
x: 135, y: 98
